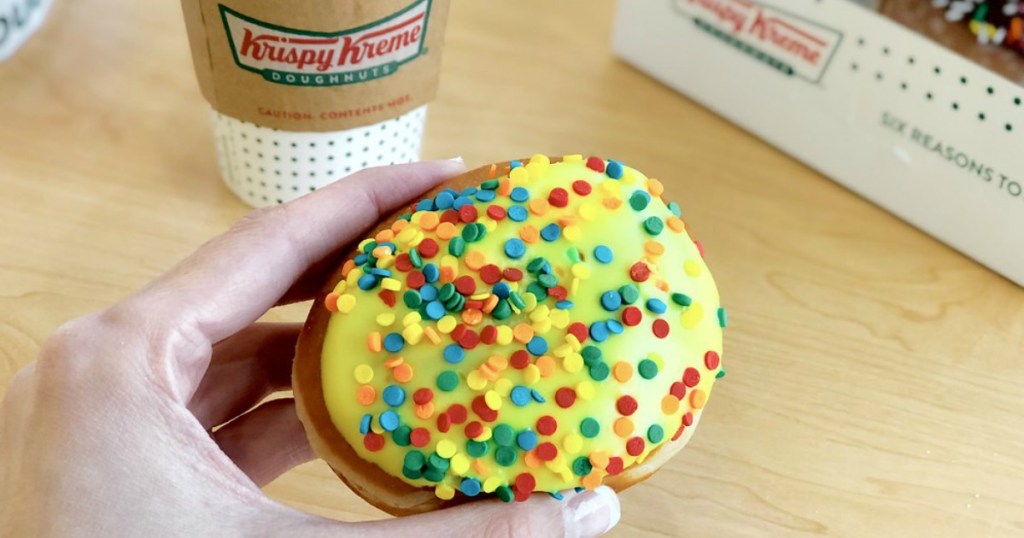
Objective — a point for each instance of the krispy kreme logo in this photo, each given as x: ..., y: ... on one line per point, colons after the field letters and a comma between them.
x: 789, y: 43
x: 305, y: 58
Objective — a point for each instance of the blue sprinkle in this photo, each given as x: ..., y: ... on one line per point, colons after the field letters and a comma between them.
x: 550, y: 232
x: 556, y: 495
x: 454, y: 354
x: 380, y: 272
x: 603, y: 254
x: 428, y: 292
x: 364, y: 424
x: 468, y: 191
x: 367, y: 282
x: 564, y: 305
x: 526, y: 440
x: 470, y: 487
x: 444, y: 200
x: 614, y: 326
x: 461, y: 201
x: 514, y: 164
x: 502, y: 290
x: 391, y: 246
x: 394, y: 342
x: 389, y: 420
x: 425, y: 204
x: 514, y: 248
x: 599, y: 331
x: 537, y: 397
x: 485, y: 196
x: 393, y: 395
x: 520, y: 395
x: 435, y: 310
x: 613, y: 169
x: 360, y: 259
x: 518, y: 213
x: 611, y: 300
x: 673, y: 208
x: 537, y: 346
x: 519, y: 194
x: 431, y: 272
x: 656, y: 305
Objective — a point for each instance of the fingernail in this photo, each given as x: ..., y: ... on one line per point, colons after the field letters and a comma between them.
x: 457, y: 159
x: 595, y: 512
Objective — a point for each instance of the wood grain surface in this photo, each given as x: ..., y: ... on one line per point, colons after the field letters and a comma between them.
x: 875, y: 375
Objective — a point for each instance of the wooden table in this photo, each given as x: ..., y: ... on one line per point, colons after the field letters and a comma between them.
x: 875, y: 375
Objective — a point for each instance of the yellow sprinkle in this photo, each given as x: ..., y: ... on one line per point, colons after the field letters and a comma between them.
x: 445, y: 448
x: 480, y: 296
x: 475, y: 381
x: 540, y: 313
x: 536, y: 169
x: 492, y: 399
x: 572, y: 233
x: 449, y: 261
x: 374, y: 342
x: 573, y: 443
x: 504, y: 335
x: 341, y: 287
x: 698, y: 398
x: 611, y: 188
x: 581, y: 270
x: 346, y: 302
x: 628, y: 177
x: 692, y: 315
x: 540, y: 159
x: 573, y: 363
x: 572, y: 158
x: 691, y: 267
x: 529, y: 299
x: 503, y: 387
x: 353, y: 277
x: 385, y: 319
x: 406, y: 235
x: 542, y: 326
x: 392, y: 284
x: 657, y: 360
x: 364, y: 374
x: 375, y: 427
x: 386, y: 261
x: 459, y: 464
x: 432, y: 335
x: 411, y: 318
x: 574, y: 286
x: 560, y: 318
x: 446, y: 324
x: 413, y: 334
x: 531, y: 374
x: 562, y: 351
x: 485, y: 434
x: 493, y: 482
x: 588, y: 212
x: 519, y: 176
x: 585, y: 390
x: 444, y: 492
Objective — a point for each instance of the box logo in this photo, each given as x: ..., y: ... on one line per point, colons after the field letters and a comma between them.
x: 791, y: 44
x: 305, y: 58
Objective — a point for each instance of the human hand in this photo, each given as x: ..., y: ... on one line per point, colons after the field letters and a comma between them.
x: 107, y: 434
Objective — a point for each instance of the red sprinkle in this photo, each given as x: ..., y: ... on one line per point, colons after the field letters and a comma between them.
x: 700, y: 248
x: 422, y: 396
x: 635, y: 446
x: 490, y: 274
x: 474, y: 429
x: 660, y: 328
x: 581, y: 187
x: 403, y: 263
x: 559, y: 293
x: 678, y: 389
x: 444, y: 423
x: 450, y: 215
x: 631, y: 316
x: 546, y: 451
x: 489, y: 335
x: 469, y: 339
x: 512, y: 274
x: 626, y: 405
x: 711, y: 360
x: 457, y: 413
x: 596, y: 164
x: 485, y: 413
x: 520, y: 359
x: 428, y: 248
x: 415, y: 280
x: 558, y: 197
x: 639, y: 272
x: 679, y: 432
x: 579, y: 330
x: 691, y: 377
x: 419, y: 437
x: 468, y: 213
x: 614, y: 465
x: 474, y: 305
x: 547, y: 425
x: 526, y: 482
x: 458, y: 331
x: 465, y: 284
x: 688, y: 419
x: 373, y: 441
x: 565, y: 397
x: 496, y: 212
x: 388, y: 297
x: 520, y: 496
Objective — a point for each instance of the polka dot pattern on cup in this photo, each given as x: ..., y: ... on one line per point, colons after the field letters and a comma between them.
x: 265, y: 166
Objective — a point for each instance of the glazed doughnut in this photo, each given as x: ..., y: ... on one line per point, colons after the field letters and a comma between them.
x: 527, y: 327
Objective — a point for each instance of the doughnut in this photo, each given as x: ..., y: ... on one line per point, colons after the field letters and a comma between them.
x: 528, y: 327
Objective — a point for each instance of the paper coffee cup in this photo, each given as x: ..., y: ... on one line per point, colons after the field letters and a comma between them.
x: 265, y: 166
x: 306, y: 92
x: 19, y: 19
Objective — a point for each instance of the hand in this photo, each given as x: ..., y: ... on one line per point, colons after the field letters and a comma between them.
x: 107, y: 434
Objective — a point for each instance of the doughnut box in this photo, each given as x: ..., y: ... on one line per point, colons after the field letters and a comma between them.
x: 927, y: 134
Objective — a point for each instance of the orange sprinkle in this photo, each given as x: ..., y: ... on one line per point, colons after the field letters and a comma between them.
x: 662, y: 285
x: 347, y: 266
x: 546, y: 364
x: 402, y: 373
x: 623, y: 427
x: 669, y: 404
x: 472, y: 316
x: 654, y: 248
x: 429, y: 221
x: 599, y: 459
x: 523, y: 333
x: 492, y: 171
x: 331, y: 302
x: 611, y: 203
x: 655, y: 187
x: 385, y: 235
x: 527, y: 233
x: 425, y: 411
x: 447, y: 274
x: 538, y: 206
x: 381, y: 252
x: 365, y: 395
x: 487, y: 372
x: 504, y: 187
x: 698, y: 398
x: 399, y: 225
x: 593, y: 480
x: 480, y: 467
x: 374, y: 342
x: 497, y: 362
x: 431, y: 335
x: 622, y: 371
x: 566, y: 221
x: 675, y: 224
x: 531, y: 459
x: 394, y: 361
x: 474, y: 259
x: 445, y: 230
x: 490, y: 303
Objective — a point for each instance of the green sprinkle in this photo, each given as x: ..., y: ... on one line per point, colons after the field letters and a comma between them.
x: 723, y: 317
x: 517, y: 300
x: 536, y: 264
x: 503, y: 435
x: 548, y: 281
x: 401, y: 435
x: 654, y: 225
x: 456, y: 303
x: 681, y: 299
x: 591, y: 355
x: 674, y: 208
x: 505, y: 456
x: 490, y: 184
x: 412, y: 299
x: 470, y: 233
x: 433, y: 475
x: 540, y: 291
x: 655, y: 434
x: 638, y: 201
x: 481, y: 230
x: 630, y: 294
x: 415, y: 259
x: 505, y: 494
x: 647, y: 368
x: 573, y: 254
x: 590, y: 428
x: 581, y: 466
x: 414, y: 460
x: 457, y: 245
x: 720, y: 374
x: 599, y: 371
x: 446, y: 292
x: 412, y: 474
x: 502, y: 310
x: 369, y: 247
x: 477, y: 449
x: 435, y: 461
x: 447, y: 380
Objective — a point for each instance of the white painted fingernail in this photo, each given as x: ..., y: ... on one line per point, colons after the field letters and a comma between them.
x: 594, y: 512
x: 457, y: 159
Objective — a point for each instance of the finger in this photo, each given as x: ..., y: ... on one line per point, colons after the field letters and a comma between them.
x: 232, y: 280
x: 245, y: 369
x: 265, y: 442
